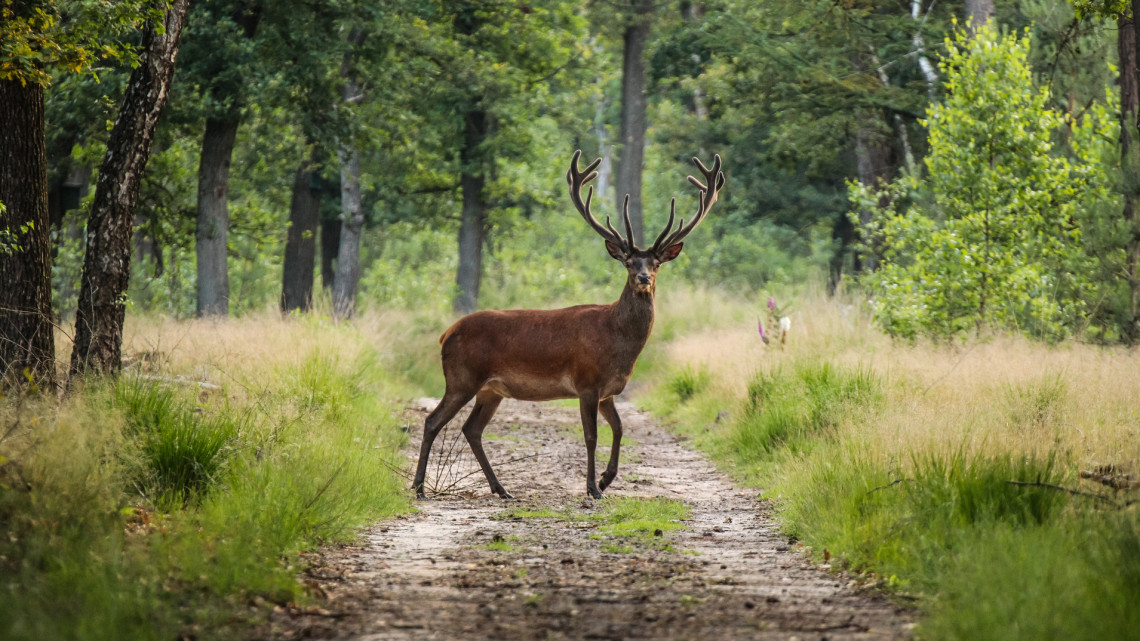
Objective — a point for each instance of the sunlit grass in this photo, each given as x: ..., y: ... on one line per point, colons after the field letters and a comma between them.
x: 168, y: 500
x: 898, y: 459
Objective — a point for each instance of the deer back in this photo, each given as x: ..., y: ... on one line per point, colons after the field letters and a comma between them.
x: 542, y: 354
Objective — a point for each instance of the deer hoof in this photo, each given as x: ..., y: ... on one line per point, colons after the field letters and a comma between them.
x: 593, y: 492
x: 503, y: 494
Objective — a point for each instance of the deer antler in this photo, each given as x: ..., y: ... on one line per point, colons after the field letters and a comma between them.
x: 708, y: 195
x: 577, y: 179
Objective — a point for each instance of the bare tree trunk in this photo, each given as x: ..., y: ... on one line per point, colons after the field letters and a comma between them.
x: 605, y: 170
x: 330, y: 245
x: 352, y: 225
x: 472, y: 229
x: 106, y: 264
x: 977, y: 13
x: 842, y: 233
x: 634, y: 105
x: 928, y: 70
x: 352, y: 215
x: 300, y: 243
x: 27, y: 338
x: 1127, y: 39
x: 871, y: 157
x: 214, y: 216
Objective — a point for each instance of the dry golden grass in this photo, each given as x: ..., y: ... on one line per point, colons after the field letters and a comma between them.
x: 998, y: 394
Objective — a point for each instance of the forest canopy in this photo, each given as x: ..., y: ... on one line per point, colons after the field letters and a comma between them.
x: 970, y: 166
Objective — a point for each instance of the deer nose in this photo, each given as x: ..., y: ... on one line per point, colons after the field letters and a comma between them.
x: 643, y: 279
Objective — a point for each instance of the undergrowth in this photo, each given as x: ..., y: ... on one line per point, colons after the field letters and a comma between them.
x: 149, y: 508
x: 949, y: 476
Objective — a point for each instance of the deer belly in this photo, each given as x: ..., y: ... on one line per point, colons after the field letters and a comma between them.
x: 532, y: 388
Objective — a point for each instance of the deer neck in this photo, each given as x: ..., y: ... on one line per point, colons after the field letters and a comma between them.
x: 634, y: 314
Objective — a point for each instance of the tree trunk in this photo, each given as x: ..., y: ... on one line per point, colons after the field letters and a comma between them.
x: 1127, y: 38
x: 106, y: 264
x: 872, y: 157
x: 843, y: 234
x: 27, y: 338
x: 977, y: 13
x: 605, y: 170
x: 214, y: 176
x: 352, y: 225
x: 473, y: 227
x: 300, y: 243
x: 634, y: 104
x: 330, y: 245
x: 214, y: 216
x: 352, y: 215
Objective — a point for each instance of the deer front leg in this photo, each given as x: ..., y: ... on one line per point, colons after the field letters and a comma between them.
x: 589, y: 407
x: 448, y: 407
x: 485, y: 405
x: 609, y: 412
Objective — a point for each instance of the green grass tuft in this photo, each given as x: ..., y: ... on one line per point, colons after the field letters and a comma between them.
x: 688, y: 382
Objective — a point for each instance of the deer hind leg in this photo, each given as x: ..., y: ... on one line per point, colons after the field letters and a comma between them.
x: 589, y: 408
x: 609, y: 412
x: 448, y: 407
x: 485, y: 405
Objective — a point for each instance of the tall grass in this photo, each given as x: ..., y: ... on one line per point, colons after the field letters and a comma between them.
x: 157, y: 508
x: 935, y: 469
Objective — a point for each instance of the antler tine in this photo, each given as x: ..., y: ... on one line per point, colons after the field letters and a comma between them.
x: 628, y: 226
x: 669, y: 226
x: 576, y: 179
x: 707, y: 197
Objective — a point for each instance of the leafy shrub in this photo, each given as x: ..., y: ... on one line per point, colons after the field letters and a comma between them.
x: 993, y: 238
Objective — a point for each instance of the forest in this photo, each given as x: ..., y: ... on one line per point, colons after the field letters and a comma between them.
x: 232, y: 232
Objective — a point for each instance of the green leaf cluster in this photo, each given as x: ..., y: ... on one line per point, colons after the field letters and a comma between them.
x: 992, y: 238
x: 37, y: 35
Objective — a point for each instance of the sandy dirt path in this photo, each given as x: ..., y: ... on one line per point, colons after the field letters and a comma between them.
x: 728, y: 574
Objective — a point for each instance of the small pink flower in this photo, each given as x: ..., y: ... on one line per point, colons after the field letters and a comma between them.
x: 772, y: 303
x: 763, y: 336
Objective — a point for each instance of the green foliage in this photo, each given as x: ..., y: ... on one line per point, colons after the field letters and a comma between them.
x: 36, y: 35
x: 10, y: 238
x: 993, y: 238
x: 272, y: 474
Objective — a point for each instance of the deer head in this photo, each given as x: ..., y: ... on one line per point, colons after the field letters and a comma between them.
x: 642, y: 264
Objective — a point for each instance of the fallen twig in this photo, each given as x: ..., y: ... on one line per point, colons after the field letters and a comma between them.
x: 178, y: 380
x: 1050, y: 486
x: 883, y: 487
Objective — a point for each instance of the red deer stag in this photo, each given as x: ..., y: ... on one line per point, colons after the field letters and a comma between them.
x: 585, y: 352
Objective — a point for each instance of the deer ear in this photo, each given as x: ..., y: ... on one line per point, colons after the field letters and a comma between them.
x: 615, y: 251
x: 671, y: 252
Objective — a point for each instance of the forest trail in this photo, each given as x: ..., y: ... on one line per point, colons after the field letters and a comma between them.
x: 473, y: 566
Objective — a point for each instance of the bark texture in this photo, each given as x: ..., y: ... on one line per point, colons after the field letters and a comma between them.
x: 977, y: 12
x: 106, y: 264
x: 27, y: 339
x: 330, y: 245
x: 634, y: 104
x: 1127, y: 39
x: 352, y: 225
x: 301, y: 243
x: 472, y: 229
x: 214, y: 216
x: 352, y: 213
x: 872, y: 158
